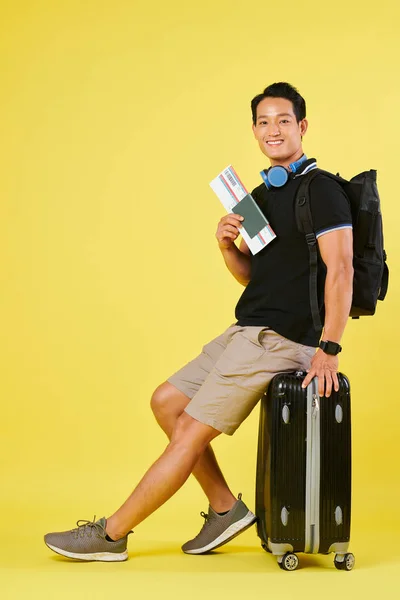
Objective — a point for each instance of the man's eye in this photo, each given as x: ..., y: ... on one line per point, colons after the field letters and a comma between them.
x: 284, y: 121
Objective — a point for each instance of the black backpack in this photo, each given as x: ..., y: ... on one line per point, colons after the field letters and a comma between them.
x: 371, y: 273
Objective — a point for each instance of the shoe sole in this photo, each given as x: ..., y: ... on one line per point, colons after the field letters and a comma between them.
x: 102, y: 556
x: 231, y: 532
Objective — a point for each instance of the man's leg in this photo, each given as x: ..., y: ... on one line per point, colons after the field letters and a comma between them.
x: 165, y: 477
x: 168, y: 403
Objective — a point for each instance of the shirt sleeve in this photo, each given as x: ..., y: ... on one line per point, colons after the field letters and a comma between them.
x: 330, y: 207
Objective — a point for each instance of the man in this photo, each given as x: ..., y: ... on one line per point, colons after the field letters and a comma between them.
x: 274, y: 332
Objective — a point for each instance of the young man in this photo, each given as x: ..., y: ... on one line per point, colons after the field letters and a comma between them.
x: 274, y: 332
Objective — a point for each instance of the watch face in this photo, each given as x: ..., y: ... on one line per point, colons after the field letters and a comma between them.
x: 330, y: 348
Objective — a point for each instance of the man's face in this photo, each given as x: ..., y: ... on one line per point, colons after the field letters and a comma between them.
x: 277, y: 131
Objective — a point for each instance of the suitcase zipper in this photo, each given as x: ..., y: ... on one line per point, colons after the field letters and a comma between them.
x: 312, y: 469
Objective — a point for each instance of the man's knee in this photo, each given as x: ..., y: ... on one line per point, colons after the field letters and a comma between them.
x: 190, y: 432
x: 167, y: 400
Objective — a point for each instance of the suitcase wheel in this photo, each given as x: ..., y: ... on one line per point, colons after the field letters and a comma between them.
x: 347, y: 562
x: 289, y: 562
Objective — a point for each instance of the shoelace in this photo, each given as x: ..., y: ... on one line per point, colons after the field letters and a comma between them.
x: 205, y: 515
x: 206, y: 518
x: 85, y: 527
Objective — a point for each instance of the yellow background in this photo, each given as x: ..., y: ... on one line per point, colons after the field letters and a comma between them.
x: 114, y: 117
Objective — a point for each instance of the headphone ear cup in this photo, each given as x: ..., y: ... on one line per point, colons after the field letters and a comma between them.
x: 278, y: 176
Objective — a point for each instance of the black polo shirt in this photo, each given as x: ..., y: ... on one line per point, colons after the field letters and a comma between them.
x: 277, y: 295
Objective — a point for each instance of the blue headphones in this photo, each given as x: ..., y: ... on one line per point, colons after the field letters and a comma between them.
x: 277, y: 176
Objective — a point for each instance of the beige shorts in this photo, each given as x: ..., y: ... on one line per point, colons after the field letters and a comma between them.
x: 226, y: 381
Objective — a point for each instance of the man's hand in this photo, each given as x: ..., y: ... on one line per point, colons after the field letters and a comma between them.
x: 228, y: 230
x: 325, y: 367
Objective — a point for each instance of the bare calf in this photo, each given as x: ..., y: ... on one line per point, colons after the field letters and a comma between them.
x: 168, y: 403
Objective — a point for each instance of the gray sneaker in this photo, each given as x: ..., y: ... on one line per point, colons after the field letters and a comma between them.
x: 220, y: 529
x: 88, y: 542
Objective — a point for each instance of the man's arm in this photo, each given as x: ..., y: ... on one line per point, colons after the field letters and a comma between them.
x: 238, y: 260
x: 336, y: 249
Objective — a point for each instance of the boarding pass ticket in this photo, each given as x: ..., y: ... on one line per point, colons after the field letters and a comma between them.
x: 230, y: 190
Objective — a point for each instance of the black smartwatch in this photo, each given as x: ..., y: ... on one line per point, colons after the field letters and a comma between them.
x: 330, y: 348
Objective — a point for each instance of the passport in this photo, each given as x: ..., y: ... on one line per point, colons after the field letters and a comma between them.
x: 254, y: 220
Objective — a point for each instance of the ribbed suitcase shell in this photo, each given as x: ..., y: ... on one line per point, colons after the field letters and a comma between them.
x: 282, y: 468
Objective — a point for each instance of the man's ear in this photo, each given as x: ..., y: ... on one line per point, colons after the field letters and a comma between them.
x: 254, y: 129
x: 303, y: 126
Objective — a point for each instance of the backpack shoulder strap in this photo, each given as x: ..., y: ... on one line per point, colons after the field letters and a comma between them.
x: 302, y: 201
x: 336, y: 177
x: 305, y: 225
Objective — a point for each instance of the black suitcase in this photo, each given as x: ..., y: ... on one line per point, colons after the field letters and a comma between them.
x: 303, y: 484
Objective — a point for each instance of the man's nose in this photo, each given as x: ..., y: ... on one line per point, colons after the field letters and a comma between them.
x: 273, y: 129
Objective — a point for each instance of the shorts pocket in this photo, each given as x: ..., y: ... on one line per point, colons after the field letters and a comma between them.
x: 240, y: 355
x: 255, y: 335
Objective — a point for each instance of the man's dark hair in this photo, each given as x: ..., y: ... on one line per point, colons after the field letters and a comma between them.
x: 281, y: 90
